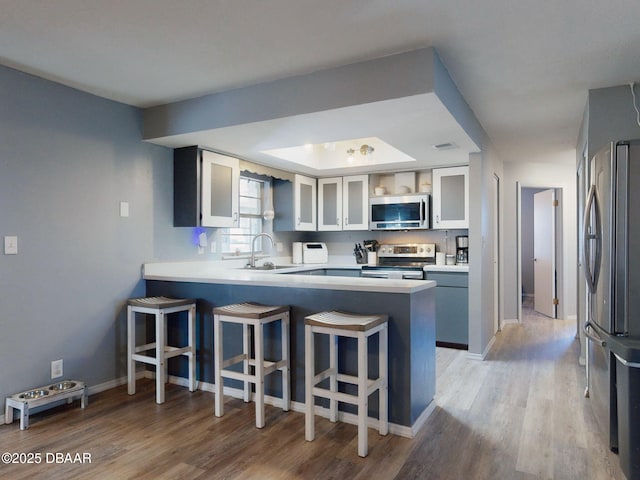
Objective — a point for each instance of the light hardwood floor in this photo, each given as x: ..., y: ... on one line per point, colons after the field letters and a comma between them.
x: 520, y: 414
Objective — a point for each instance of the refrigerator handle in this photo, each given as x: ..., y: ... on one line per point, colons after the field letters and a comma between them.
x: 627, y: 363
x: 592, y: 204
x: 593, y: 336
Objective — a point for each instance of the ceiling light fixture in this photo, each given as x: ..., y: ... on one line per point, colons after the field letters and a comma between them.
x: 350, y: 153
x: 364, y: 151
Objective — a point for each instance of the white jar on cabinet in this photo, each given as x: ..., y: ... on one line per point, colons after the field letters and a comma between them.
x: 450, y: 197
x: 343, y: 203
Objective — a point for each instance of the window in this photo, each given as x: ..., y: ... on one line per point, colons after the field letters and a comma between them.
x: 238, y: 239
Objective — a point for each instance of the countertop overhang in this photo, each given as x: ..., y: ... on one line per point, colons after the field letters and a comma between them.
x: 233, y: 273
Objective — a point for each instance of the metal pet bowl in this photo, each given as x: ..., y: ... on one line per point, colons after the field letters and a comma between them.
x: 66, y: 385
x: 33, y: 394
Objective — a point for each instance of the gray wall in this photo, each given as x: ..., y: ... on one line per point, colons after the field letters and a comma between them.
x: 539, y: 175
x: 66, y: 160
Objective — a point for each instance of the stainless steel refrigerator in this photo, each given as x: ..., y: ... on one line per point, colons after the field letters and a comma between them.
x: 611, y: 262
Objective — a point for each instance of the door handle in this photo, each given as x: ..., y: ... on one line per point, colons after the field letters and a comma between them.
x: 592, y: 276
x: 593, y: 336
x: 626, y: 363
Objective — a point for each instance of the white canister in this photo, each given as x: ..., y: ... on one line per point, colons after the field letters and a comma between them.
x: 296, y: 252
x: 372, y: 259
x: 440, y: 258
x: 451, y: 259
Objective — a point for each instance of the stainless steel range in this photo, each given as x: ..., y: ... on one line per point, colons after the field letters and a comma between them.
x: 402, y: 261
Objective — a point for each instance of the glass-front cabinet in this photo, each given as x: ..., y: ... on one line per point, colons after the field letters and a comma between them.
x: 450, y: 197
x: 295, y: 204
x: 304, y: 203
x: 355, y: 202
x: 205, y: 188
x: 220, y: 190
x: 343, y: 203
x: 329, y: 204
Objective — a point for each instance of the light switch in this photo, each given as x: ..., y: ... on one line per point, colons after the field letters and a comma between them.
x: 124, y: 209
x: 11, y: 245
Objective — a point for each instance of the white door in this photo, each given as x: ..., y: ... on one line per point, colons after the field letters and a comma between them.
x: 544, y: 258
x: 496, y: 253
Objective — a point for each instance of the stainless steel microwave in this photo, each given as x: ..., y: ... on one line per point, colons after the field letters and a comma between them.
x: 399, y: 212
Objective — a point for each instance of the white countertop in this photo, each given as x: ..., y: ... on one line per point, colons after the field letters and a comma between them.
x: 233, y: 273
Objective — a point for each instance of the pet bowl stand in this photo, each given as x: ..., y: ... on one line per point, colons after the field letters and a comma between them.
x: 23, y: 401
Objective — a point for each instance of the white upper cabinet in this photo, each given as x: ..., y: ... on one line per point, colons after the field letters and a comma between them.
x: 343, y: 203
x: 355, y: 202
x: 450, y: 197
x: 220, y: 185
x: 205, y: 188
x: 295, y: 204
x: 304, y: 203
x: 330, y: 204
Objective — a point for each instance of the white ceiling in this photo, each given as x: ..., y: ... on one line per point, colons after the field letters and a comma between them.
x: 523, y: 66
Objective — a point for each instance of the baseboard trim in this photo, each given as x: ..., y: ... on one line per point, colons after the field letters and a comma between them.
x: 483, y: 355
x: 350, y: 418
x: 455, y: 346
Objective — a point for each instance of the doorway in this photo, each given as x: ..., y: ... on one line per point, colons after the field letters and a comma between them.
x: 539, y: 239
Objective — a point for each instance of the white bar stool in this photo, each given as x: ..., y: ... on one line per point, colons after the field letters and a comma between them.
x: 340, y: 324
x: 160, y: 307
x: 257, y: 316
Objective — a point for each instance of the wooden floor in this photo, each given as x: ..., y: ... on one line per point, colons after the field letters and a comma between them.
x: 520, y: 414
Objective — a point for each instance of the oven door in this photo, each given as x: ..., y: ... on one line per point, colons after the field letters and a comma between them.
x: 392, y: 273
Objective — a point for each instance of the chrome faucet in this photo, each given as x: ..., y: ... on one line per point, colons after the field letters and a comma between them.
x: 252, y: 259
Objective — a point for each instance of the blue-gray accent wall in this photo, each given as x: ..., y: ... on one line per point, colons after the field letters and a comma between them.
x: 67, y: 160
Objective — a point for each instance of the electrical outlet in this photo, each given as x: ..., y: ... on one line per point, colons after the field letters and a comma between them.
x: 279, y: 247
x: 56, y: 369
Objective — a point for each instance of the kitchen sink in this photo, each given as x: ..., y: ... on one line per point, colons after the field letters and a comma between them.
x: 267, y: 267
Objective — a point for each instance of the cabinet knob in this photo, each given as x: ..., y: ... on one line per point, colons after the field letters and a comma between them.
x: 346, y: 220
x: 338, y: 221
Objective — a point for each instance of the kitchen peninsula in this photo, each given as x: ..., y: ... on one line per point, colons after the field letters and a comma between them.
x: 410, y: 305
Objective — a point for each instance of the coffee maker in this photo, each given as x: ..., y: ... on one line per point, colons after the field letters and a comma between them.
x: 462, y: 249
